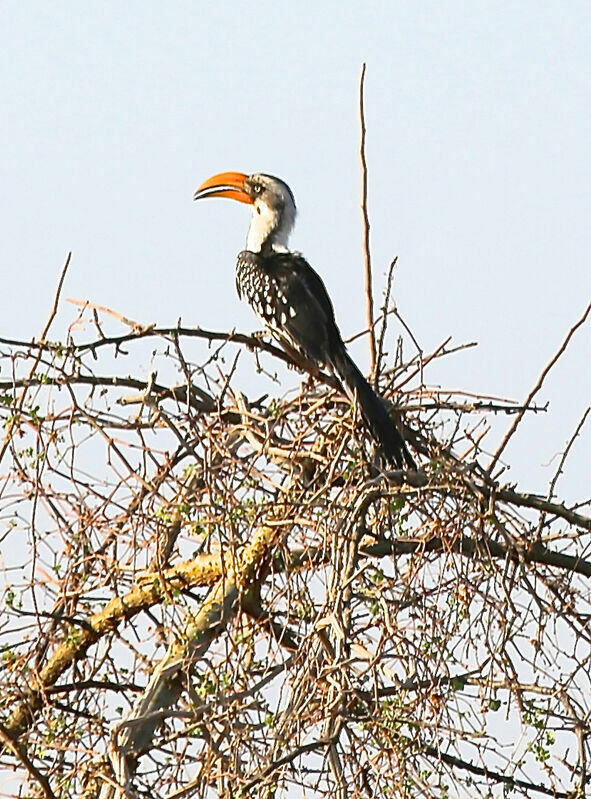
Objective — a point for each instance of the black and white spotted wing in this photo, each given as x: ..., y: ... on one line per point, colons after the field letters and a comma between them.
x: 291, y: 300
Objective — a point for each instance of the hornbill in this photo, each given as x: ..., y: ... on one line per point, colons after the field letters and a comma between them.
x: 291, y: 299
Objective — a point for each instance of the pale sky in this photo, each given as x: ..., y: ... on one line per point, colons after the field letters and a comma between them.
x: 479, y: 132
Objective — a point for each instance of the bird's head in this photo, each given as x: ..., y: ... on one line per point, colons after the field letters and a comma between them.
x: 273, y: 204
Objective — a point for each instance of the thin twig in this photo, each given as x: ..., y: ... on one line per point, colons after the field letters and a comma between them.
x: 56, y: 300
x: 567, y: 449
x: 384, y: 317
x: 366, y: 248
x: 361, y: 333
x: 415, y: 342
x: 84, y: 304
x: 560, y: 468
x: 537, y: 387
x: 21, y: 402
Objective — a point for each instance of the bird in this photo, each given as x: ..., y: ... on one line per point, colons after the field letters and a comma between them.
x: 291, y: 300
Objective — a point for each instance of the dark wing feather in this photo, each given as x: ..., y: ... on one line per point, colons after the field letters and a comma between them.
x: 291, y: 299
x: 309, y: 321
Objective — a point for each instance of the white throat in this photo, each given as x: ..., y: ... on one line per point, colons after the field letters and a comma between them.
x: 269, y: 227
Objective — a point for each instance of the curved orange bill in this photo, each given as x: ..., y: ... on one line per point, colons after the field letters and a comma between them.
x: 226, y: 184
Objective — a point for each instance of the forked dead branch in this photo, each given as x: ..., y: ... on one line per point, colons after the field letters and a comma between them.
x: 209, y: 594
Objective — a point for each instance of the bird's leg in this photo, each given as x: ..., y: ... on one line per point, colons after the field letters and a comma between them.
x: 300, y: 361
x: 309, y: 382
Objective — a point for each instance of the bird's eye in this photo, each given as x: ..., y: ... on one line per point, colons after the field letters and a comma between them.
x: 257, y: 188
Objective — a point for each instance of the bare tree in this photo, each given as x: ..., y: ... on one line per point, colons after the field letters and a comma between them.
x: 208, y: 594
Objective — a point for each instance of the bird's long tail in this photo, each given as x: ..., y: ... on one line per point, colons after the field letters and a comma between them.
x: 373, y: 409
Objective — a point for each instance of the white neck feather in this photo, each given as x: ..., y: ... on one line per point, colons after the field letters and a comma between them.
x: 269, y: 227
